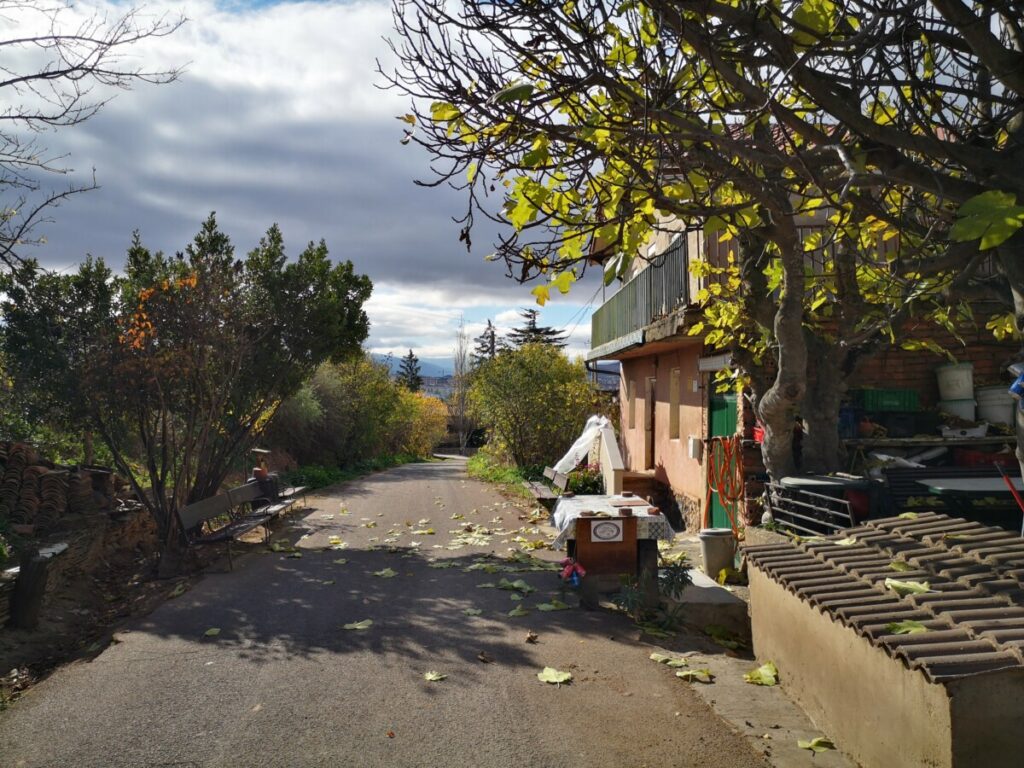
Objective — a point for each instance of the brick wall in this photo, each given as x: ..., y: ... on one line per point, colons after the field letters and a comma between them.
x: 895, y: 368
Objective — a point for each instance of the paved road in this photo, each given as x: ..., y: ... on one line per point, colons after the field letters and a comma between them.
x: 284, y: 685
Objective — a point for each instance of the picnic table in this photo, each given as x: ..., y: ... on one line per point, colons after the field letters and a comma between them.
x: 609, y: 544
x: 568, y: 508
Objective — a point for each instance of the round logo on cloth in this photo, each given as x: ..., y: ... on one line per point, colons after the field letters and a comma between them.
x: 606, y: 531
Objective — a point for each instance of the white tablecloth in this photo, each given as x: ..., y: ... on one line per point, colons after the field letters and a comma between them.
x: 568, y: 509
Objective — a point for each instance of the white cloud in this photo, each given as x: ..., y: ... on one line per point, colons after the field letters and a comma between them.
x: 277, y: 119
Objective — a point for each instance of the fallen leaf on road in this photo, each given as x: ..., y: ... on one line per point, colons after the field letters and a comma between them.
x: 554, y: 605
x: 423, y: 532
x: 387, y: 573
x: 434, y: 677
x: 472, y: 611
x: 485, y: 657
x: 458, y: 516
x: 901, y: 566
x: 700, y: 675
x: 486, y: 585
x: 818, y: 744
x: 766, y: 674
x: 531, y: 637
x: 294, y: 555
x: 849, y: 541
x: 554, y: 676
x: 371, y: 524
x: 668, y: 661
x: 344, y: 511
x: 518, y: 611
x: 358, y: 625
x: 515, y: 596
x: 282, y: 546
x: 390, y: 734
x: 340, y: 561
x: 179, y: 590
x: 212, y: 632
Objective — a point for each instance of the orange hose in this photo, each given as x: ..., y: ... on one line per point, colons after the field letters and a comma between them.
x: 725, y: 477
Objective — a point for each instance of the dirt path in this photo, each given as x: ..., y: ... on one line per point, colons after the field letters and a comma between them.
x: 283, y: 684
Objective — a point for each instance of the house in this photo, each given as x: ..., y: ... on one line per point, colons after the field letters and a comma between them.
x: 670, y: 407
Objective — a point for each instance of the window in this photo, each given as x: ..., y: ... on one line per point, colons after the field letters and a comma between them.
x: 673, y: 404
x: 631, y: 395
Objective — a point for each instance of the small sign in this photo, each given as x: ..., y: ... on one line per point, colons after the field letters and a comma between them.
x: 605, y: 531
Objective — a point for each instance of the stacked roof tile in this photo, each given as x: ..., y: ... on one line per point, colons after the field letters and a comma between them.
x: 972, y: 614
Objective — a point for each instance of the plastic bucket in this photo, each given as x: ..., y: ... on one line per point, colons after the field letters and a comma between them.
x: 964, y: 409
x: 995, y: 405
x: 956, y: 381
x: 718, y: 548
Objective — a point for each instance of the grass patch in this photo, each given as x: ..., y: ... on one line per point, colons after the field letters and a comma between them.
x: 509, y: 478
x: 316, y: 476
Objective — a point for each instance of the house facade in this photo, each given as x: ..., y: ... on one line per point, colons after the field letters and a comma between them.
x: 670, y: 405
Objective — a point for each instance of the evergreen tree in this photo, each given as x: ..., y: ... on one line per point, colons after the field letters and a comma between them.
x: 487, y: 345
x: 531, y: 333
x: 409, y: 373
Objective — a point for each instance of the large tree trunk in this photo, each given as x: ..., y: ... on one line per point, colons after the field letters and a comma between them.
x: 777, y: 407
x: 822, y: 448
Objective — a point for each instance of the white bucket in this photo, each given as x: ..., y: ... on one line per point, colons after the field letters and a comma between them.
x: 964, y: 409
x: 995, y: 404
x: 718, y: 548
x: 956, y: 381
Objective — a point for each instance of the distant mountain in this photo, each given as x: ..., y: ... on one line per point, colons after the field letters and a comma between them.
x: 429, y: 366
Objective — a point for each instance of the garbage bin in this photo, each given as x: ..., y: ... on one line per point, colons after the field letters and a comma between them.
x: 718, y: 549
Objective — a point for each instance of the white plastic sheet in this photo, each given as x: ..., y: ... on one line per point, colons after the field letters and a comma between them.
x: 582, y: 446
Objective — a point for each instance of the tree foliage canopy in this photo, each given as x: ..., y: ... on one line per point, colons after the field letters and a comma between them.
x: 183, y: 358
x: 533, y: 401
x: 860, y: 159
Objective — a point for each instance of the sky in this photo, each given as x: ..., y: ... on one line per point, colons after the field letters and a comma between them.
x: 278, y: 117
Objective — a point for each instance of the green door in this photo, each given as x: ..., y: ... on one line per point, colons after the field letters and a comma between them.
x: 722, y: 421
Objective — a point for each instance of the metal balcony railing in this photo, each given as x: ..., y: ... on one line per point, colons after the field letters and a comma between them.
x: 649, y: 295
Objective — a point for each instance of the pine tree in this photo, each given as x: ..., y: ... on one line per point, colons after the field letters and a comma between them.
x: 531, y: 333
x: 409, y: 373
x: 488, y: 344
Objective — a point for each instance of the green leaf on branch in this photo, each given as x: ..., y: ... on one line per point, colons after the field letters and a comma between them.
x: 442, y: 111
x: 513, y: 93
x: 992, y: 217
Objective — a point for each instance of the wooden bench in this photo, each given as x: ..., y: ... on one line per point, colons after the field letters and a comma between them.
x: 542, y: 492
x: 194, y: 516
x: 292, y: 492
x: 252, y: 500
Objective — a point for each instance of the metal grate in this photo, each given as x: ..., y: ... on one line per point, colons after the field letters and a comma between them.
x: 804, y: 512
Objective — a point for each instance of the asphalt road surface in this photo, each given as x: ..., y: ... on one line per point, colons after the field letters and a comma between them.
x: 284, y: 684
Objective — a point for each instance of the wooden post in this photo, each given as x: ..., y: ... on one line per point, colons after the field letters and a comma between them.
x: 29, y: 590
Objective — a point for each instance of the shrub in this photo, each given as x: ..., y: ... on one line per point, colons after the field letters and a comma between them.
x: 533, y: 402
x: 587, y: 480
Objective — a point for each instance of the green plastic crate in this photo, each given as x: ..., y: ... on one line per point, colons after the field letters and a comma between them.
x: 889, y: 400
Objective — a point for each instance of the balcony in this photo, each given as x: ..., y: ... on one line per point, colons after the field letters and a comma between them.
x: 653, y: 293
